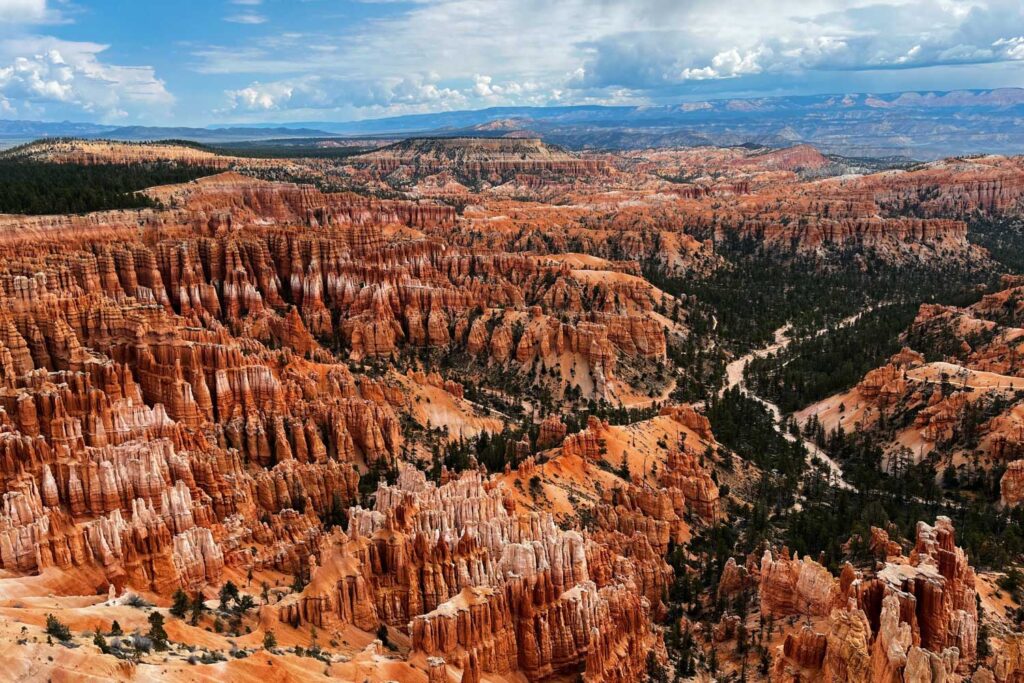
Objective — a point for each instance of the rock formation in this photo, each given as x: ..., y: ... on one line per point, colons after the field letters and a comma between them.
x: 210, y: 389
x: 483, y: 589
x: 915, y: 618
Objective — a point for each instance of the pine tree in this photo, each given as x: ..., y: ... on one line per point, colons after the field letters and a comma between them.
x: 228, y: 593
x: 56, y: 628
x: 181, y: 604
x: 197, y: 607
x: 244, y: 604
x: 156, y: 631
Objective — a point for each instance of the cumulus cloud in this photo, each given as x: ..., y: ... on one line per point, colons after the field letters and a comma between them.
x: 360, y: 97
x: 42, y: 75
x: 418, y: 92
x: 727, y: 64
x: 259, y: 96
x: 788, y: 41
x: 486, y: 52
x: 485, y: 87
x: 1013, y: 48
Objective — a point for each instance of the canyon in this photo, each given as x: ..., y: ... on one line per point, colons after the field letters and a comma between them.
x: 414, y: 414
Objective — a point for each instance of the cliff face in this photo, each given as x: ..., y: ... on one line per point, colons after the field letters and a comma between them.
x: 955, y: 187
x: 171, y: 416
x: 715, y: 193
x: 913, y: 619
x: 226, y: 199
x: 895, y: 210
x: 148, y: 430
x: 235, y: 255
x: 230, y: 197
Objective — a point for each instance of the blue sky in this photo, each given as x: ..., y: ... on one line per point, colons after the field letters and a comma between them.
x: 195, y: 62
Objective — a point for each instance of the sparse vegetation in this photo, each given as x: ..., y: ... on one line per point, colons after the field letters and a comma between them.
x: 137, y: 601
x: 180, y: 604
x: 57, y: 629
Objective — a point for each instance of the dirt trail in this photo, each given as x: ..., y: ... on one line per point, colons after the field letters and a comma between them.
x: 781, y: 340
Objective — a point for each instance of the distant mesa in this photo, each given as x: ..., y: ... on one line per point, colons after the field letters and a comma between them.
x: 478, y: 158
x: 796, y: 158
x: 463, y: 148
x: 88, y: 152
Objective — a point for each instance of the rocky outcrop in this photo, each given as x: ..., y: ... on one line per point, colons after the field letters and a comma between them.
x: 684, y: 474
x: 551, y: 433
x: 483, y: 589
x: 802, y: 656
x: 796, y: 158
x: 588, y: 444
x: 1011, y: 486
x: 914, y: 619
x: 147, y: 427
x: 793, y: 586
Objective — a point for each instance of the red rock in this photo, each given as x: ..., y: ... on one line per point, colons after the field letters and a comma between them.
x: 915, y: 619
x: 552, y: 432
x: 1011, y: 486
x: 794, y: 587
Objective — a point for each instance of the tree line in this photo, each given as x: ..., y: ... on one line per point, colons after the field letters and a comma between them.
x: 43, y: 188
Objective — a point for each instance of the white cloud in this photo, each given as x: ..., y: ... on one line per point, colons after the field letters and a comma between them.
x: 727, y: 64
x: 418, y: 92
x: 23, y: 11
x: 263, y: 96
x: 485, y: 87
x: 246, y: 18
x: 1012, y: 48
x: 487, y: 52
x: 45, y: 76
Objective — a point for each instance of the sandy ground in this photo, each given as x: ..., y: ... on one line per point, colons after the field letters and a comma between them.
x: 433, y: 406
x: 28, y: 655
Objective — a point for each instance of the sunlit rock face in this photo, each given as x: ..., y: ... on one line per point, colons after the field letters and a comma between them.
x: 172, y: 417
x: 915, y: 618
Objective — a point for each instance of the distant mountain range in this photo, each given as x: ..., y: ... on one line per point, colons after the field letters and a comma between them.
x: 922, y: 125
